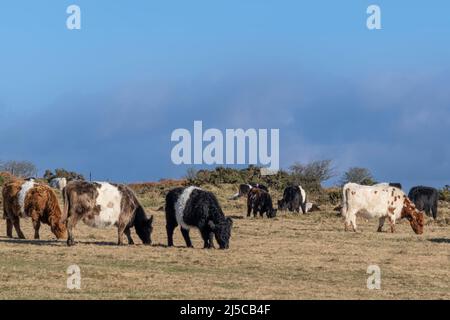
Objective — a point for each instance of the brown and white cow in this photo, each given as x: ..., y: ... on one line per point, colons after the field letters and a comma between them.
x: 22, y: 199
x: 379, y: 201
x: 101, y: 205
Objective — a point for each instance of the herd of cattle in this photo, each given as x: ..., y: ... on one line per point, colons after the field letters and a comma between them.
x: 102, y: 204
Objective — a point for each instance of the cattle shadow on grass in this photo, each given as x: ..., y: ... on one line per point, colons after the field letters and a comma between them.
x: 440, y: 240
x: 98, y: 243
x: 236, y: 217
x: 54, y: 243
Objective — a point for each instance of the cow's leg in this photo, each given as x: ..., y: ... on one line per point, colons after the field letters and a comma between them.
x: 434, y: 210
x: 205, y: 232
x: 35, y: 217
x: 128, y: 234
x: 9, y: 228
x: 120, y: 230
x: 392, y: 224
x: 70, y: 224
x: 169, y: 228
x: 347, y: 223
x: 351, y: 220
x: 381, y: 224
x: 211, y: 239
x: 256, y: 211
x: 16, y: 223
x: 249, y: 210
x: 36, y: 225
x: 186, y: 237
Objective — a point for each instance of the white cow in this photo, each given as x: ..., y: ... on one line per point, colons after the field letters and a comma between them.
x: 58, y: 183
x: 379, y: 201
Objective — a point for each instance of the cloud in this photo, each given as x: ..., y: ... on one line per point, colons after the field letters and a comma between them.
x: 394, y: 124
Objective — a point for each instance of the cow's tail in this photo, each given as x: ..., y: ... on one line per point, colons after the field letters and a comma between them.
x: 344, y: 208
x: 66, y: 204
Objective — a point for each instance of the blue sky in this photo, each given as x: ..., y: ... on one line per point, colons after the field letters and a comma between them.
x: 105, y: 99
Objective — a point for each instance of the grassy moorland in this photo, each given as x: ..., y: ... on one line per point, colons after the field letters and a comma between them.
x: 290, y: 257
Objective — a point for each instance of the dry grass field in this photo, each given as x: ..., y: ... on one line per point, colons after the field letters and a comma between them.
x: 291, y: 257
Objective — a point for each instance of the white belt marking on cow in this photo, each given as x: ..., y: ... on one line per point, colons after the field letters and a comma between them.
x: 303, y: 193
x: 181, y: 204
x: 109, y: 199
x: 23, y: 194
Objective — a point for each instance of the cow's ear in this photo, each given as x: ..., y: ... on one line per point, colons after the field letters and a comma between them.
x: 211, y: 225
x: 150, y: 220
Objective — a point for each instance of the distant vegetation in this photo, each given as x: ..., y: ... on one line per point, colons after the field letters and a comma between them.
x: 62, y: 173
x: 22, y: 169
x: 444, y: 193
x: 310, y: 176
x: 358, y: 175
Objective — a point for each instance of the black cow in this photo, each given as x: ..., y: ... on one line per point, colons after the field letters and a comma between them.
x: 193, y: 207
x: 426, y: 199
x: 294, y: 198
x: 260, y: 201
x: 245, y: 188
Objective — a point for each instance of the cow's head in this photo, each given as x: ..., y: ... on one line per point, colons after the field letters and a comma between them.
x: 59, y: 230
x: 144, y: 228
x: 55, y: 216
x: 222, y: 232
x: 414, y: 216
x: 272, y: 213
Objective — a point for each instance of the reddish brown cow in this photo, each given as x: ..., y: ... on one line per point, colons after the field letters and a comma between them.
x: 23, y: 199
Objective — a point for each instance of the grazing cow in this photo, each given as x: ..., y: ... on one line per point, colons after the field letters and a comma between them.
x: 245, y: 188
x: 193, y: 207
x: 260, y: 201
x: 102, y: 204
x: 294, y: 198
x: 379, y: 201
x: 23, y: 199
x: 425, y: 198
x: 58, y: 183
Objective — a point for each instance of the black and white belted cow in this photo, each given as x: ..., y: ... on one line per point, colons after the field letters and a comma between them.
x: 192, y: 207
x: 294, y: 198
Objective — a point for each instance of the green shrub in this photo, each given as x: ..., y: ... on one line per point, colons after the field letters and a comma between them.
x: 444, y: 194
x: 62, y: 173
x: 252, y: 174
x: 334, y: 195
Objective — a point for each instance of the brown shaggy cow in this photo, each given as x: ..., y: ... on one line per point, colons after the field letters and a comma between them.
x: 22, y: 199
